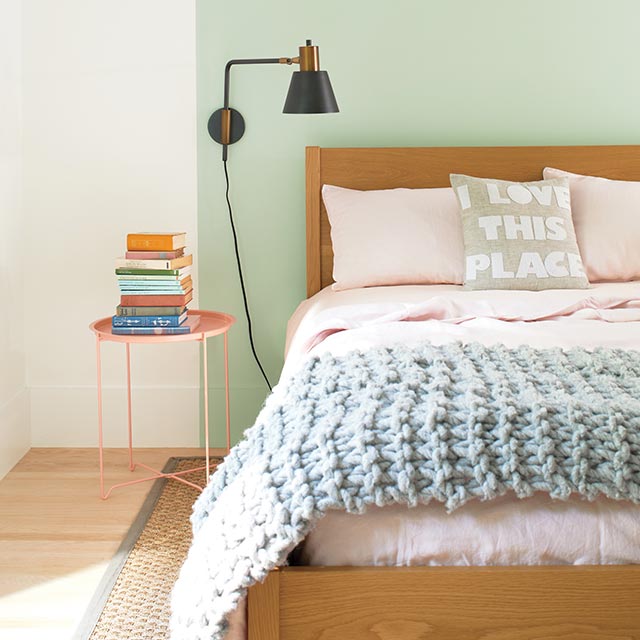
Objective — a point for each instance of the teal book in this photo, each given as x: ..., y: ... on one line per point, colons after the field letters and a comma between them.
x: 151, y: 291
x: 152, y: 284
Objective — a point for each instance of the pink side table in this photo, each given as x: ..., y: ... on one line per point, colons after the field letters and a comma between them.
x: 212, y: 323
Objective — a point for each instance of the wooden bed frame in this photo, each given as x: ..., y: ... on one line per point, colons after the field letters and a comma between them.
x: 444, y: 603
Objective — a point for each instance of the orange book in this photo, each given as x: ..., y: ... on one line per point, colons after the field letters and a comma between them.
x: 160, y: 300
x: 156, y: 241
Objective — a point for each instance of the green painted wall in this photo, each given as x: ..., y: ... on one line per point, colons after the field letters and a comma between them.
x: 408, y: 72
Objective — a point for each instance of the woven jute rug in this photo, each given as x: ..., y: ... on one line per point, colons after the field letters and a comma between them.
x: 132, y: 601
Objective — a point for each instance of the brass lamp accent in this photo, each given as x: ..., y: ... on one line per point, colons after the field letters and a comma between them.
x: 309, y: 57
x: 310, y: 91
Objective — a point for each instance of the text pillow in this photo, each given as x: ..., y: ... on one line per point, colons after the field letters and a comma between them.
x: 394, y: 236
x: 518, y: 235
x: 606, y: 216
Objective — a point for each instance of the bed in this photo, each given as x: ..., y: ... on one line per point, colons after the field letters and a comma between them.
x: 551, y: 600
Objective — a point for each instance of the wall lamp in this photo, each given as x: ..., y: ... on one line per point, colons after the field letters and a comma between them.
x: 309, y: 92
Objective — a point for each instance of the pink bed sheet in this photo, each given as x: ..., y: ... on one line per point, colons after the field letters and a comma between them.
x: 383, y: 315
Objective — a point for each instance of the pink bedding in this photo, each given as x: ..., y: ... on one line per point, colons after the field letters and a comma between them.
x: 536, y: 530
x: 382, y: 315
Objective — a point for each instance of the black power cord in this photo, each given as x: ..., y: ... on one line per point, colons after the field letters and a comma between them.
x: 244, y: 292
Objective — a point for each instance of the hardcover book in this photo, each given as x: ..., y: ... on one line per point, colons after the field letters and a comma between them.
x: 133, y: 311
x: 156, y: 241
x: 188, y: 326
x: 136, y: 278
x: 157, y: 300
x: 156, y: 291
x: 148, y: 321
x: 176, y: 263
x: 176, y: 285
x: 154, y: 272
x: 154, y: 255
x: 172, y: 286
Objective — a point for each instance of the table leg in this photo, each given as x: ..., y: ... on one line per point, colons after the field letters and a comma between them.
x: 226, y: 390
x: 100, y: 452
x: 131, y: 465
x: 206, y: 404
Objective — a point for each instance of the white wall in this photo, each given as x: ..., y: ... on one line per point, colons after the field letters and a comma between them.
x: 14, y: 404
x: 109, y: 148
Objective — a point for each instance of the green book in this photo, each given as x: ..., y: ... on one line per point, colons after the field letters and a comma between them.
x: 153, y: 272
x: 149, y: 311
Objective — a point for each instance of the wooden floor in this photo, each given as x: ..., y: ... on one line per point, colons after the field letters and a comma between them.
x: 57, y: 536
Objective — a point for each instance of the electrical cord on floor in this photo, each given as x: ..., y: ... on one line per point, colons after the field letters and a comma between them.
x: 244, y: 292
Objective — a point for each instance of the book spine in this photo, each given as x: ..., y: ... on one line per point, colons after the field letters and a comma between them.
x: 138, y: 278
x: 148, y: 321
x: 152, y: 242
x: 185, y: 283
x: 149, y: 286
x: 133, y: 291
x: 155, y: 300
x: 153, y: 255
x: 123, y: 263
x: 148, y: 272
x: 176, y: 263
x: 152, y: 331
x: 158, y: 287
x: 133, y: 311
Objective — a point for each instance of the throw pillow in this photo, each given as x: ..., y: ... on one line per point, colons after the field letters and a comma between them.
x: 518, y: 235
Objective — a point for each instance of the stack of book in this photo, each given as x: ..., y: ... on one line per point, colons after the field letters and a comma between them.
x: 155, y: 284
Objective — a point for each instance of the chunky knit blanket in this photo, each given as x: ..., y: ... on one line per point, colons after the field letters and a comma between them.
x: 407, y: 425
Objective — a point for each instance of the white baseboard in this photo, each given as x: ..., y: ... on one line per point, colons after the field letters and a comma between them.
x: 14, y: 431
x: 68, y: 417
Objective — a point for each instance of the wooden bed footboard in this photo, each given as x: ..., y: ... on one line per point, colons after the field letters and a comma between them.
x: 447, y: 603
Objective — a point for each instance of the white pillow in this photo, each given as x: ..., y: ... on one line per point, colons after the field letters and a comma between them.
x: 394, y: 236
x: 606, y: 217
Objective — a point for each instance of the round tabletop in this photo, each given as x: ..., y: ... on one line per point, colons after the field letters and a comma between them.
x: 212, y: 323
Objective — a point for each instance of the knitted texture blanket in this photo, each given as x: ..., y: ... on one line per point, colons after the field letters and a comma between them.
x: 407, y: 425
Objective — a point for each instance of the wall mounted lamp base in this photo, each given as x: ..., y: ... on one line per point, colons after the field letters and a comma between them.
x: 235, y: 125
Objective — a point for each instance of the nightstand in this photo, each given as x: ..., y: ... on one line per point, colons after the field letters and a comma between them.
x: 212, y: 323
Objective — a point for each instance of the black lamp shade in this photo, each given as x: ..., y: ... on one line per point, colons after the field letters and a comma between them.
x: 310, y: 92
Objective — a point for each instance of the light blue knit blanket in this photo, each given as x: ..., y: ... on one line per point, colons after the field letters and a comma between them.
x: 407, y: 425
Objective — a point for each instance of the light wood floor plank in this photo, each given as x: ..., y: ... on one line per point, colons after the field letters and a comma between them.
x: 57, y: 536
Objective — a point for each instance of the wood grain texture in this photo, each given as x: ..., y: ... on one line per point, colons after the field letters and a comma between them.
x: 57, y: 536
x: 263, y: 609
x: 313, y: 186
x: 426, y: 167
x: 460, y: 603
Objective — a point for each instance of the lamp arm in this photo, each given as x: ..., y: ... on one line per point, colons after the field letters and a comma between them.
x: 226, y: 125
x: 227, y: 70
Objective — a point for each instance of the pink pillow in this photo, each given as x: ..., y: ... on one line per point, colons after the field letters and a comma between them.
x: 606, y: 217
x: 394, y: 236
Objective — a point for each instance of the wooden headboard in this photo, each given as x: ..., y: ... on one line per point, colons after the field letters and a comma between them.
x: 423, y: 167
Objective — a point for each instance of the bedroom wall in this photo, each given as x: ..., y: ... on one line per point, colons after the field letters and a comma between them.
x: 405, y: 73
x: 109, y: 148
x: 14, y: 397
